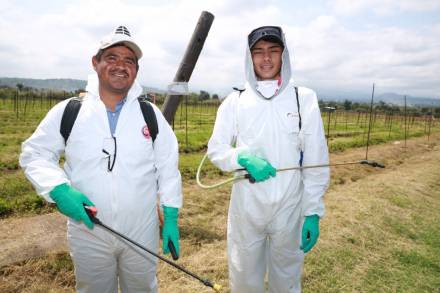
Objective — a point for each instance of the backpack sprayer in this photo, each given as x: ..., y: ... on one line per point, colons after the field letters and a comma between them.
x: 92, y: 211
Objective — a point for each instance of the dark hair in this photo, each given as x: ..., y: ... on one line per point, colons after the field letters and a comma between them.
x: 101, y: 52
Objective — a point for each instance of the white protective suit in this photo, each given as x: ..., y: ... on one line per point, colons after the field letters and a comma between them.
x: 126, y: 198
x: 265, y: 219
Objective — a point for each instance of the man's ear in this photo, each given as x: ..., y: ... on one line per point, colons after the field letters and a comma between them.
x: 94, y: 62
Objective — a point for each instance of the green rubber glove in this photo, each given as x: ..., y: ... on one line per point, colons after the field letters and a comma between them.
x: 170, y: 231
x: 71, y: 202
x: 310, y: 232
x: 258, y: 168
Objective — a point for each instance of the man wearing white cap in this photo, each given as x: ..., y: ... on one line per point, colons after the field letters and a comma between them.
x: 111, y: 162
x: 271, y: 124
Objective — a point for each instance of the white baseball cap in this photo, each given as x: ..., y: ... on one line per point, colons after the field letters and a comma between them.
x: 121, y: 35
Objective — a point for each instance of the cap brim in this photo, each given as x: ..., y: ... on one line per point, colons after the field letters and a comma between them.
x: 270, y: 33
x: 133, y: 46
x: 269, y: 38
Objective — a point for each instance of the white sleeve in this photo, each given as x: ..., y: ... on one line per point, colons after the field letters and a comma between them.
x: 221, y: 150
x: 166, y: 156
x: 315, y: 180
x: 40, y: 153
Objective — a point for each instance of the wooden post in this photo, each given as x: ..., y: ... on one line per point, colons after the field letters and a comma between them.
x: 329, y: 110
x: 188, y: 63
x: 391, y: 124
x: 26, y: 103
x: 405, y: 121
x: 369, y: 124
x: 430, y: 120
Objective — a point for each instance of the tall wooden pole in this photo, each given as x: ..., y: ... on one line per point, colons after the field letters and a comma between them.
x: 188, y: 63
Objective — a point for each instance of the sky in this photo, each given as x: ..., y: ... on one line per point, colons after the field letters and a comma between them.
x: 338, y: 46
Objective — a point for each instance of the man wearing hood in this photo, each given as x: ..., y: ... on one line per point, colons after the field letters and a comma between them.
x: 271, y: 124
x: 111, y: 162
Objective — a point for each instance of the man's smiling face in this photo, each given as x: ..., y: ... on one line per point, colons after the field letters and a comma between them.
x: 116, y: 68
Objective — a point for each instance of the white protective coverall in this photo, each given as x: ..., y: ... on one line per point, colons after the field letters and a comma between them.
x: 265, y: 219
x: 126, y: 198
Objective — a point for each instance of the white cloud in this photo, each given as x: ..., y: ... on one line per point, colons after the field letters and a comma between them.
x: 328, y: 53
x: 382, y: 7
x: 331, y: 55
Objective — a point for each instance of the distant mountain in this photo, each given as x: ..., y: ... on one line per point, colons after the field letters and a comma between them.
x: 389, y: 98
x: 60, y: 84
x: 329, y: 95
x: 399, y: 100
x: 70, y: 85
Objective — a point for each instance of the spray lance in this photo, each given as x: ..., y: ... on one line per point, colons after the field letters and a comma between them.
x: 92, y: 211
x: 371, y: 163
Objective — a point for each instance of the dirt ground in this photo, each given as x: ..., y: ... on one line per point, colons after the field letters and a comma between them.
x: 36, y: 236
x: 31, y: 237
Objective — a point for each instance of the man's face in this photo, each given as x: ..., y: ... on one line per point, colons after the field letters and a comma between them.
x: 116, y: 69
x: 266, y: 57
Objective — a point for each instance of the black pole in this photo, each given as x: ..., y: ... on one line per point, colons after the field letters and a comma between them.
x: 188, y: 63
x: 16, y: 104
x: 405, y: 121
x: 26, y: 97
x: 391, y: 124
x: 328, y: 127
x: 346, y: 121
x: 369, y: 124
x: 430, y: 120
x: 98, y: 222
x: 329, y: 110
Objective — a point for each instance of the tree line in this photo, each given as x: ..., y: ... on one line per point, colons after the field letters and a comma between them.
x: 22, y: 92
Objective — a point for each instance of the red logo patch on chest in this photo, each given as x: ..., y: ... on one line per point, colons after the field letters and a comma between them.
x: 146, y: 132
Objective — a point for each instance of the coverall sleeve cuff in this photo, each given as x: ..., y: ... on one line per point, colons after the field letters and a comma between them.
x: 47, y: 197
x: 45, y: 191
x: 171, y: 205
x: 234, y: 158
x: 320, y: 213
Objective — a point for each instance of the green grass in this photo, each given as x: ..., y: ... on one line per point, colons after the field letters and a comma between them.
x: 192, y: 133
x: 17, y: 196
x: 188, y: 164
x: 381, y: 235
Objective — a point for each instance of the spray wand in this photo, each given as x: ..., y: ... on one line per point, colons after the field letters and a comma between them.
x: 92, y: 211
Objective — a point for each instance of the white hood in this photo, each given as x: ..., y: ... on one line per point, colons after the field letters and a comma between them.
x: 251, y: 79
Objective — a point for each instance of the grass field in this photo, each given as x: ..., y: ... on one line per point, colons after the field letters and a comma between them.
x: 381, y: 232
x: 193, y: 126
